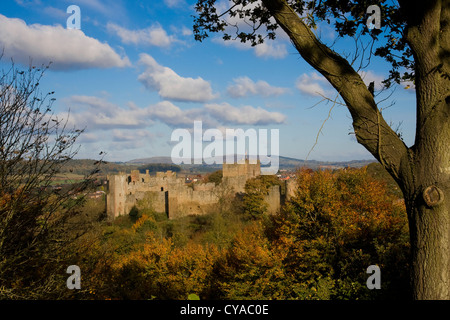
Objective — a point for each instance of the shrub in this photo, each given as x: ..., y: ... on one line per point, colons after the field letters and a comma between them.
x: 134, y: 213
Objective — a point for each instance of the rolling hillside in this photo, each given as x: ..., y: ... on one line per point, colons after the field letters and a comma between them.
x: 285, y: 163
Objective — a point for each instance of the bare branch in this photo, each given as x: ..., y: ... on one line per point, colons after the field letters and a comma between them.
x: 321, y: 127
x: 367, y: 122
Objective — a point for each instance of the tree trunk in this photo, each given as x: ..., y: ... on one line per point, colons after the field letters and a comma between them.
x: 427, y: 196
x: 427, y: 186
x: 423, y: 170
x: 430, y: 249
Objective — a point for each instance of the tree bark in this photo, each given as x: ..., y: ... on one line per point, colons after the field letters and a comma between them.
x: 423, y: 170
x: 427, y: 188
x: 430, y: 248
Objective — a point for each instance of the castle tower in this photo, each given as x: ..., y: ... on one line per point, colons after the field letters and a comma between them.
x: 247, y: 169
x: 115, y: 198
x: 237, y: 174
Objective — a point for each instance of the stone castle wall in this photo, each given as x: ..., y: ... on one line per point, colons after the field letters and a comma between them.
x: 165, y: 192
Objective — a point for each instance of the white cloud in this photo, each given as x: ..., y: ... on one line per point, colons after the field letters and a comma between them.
x: 271, y: 50
x: 173, y: 116
x: 185, y: 31
x: 66, y: 49
x: 312, y: 84
x: 174, y: 3
x: 275, y: 49
x: 25, y: 3
x: 213, y: 115
x: 246, y: 115
x: 106, y: 122
x: 107, y: 8
x: 55, y: 12
x: 154, y: 35
x: 245, y: 86
x: 370, y: 76
x: 88, y: 137
x: 170, y: 85
x: 99, y: 114
x: 131, y: 135
x: 96, y: 113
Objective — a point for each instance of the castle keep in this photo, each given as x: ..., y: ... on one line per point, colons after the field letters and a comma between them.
x: 168, y: 193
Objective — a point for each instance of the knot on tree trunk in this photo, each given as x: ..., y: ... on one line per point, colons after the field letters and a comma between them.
x: 433, y: 196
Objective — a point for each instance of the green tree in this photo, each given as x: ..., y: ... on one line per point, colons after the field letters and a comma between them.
x: 215, y: 177
x: 415, y: 40
x: 254, y: 203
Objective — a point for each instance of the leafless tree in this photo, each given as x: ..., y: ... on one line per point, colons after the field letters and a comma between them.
x: 34, y: 214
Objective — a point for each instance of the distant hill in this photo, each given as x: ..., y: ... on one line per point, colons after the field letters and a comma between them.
x: 150, y: 160
x: 285, y: 163
x: 85, y: 166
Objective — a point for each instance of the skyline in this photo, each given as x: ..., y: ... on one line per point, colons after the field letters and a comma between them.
x: 134, y: 73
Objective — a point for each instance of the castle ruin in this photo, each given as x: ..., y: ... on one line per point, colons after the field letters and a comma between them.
x: 168, y: 193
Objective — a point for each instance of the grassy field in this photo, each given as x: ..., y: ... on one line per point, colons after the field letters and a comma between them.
x: 67, y: 178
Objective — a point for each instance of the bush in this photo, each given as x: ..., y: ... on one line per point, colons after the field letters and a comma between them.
x: 253, y: 200
x: 134, y: 213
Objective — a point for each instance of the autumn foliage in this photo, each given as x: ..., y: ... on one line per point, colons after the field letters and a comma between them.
x: 317, y: 247
x: 335, y: 227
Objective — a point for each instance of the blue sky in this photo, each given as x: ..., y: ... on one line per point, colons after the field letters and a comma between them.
x: 134, y: 73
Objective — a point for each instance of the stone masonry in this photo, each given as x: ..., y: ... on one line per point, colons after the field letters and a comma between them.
x: 168, y: 193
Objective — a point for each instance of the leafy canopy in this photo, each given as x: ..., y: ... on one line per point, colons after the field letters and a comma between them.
x: 250, y: 21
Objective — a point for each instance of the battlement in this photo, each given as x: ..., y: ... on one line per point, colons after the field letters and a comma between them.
x: 165, y: 192
x: 167, y: 174
x: 247, y: 169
